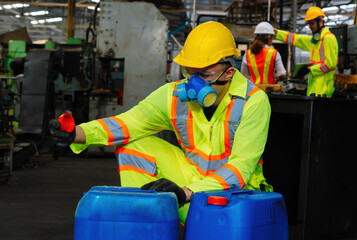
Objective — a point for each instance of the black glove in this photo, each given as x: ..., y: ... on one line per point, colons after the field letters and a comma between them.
x: 61, y: 138
x: 165, y: 185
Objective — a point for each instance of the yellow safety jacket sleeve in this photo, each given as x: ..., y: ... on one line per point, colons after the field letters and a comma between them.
x: 297, y: 40
x: 249, y: 143
x: 144, y: 119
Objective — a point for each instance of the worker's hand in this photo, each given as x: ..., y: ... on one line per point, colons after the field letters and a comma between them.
x: 276, y: 30
x: 165, y: 185
x: 61, y: 138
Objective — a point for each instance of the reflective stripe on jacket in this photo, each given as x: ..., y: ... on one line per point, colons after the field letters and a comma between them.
x: 323, y: 54
x: 261, y: 66
x: 181, y: 117
x: 221, y: 161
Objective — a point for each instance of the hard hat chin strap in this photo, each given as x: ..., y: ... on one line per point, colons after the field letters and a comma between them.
x: 316, y: 36
x: 319, y: 27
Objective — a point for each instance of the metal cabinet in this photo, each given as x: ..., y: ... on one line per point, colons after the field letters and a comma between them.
x: 310, y: 158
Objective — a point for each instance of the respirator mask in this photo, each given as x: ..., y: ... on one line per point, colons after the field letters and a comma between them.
x: 197, y: 90
x: 315, y: 37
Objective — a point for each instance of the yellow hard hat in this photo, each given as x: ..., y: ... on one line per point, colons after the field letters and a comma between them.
x: 207, y: 44
x: 314, y: 12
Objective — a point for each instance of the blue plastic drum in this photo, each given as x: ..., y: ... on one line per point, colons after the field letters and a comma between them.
x: 237, y: 214
x: 126, y: 213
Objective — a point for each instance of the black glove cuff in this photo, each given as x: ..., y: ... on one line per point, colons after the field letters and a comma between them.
x: 189, y: 200
x: 181, y: 195
x: 73, y: 135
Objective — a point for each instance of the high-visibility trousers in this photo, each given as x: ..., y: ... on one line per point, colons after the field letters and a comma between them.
x: 151, y: 158
x: 169, y: 160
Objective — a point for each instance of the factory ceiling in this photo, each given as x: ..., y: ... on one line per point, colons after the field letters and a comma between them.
x: 48, y: 18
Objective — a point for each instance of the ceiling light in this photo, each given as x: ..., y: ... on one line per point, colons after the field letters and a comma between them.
x: 49, y: 20
x: 92, y: 8
x: 16, y: 5
x: 36, y: 13
x: 19, y: 5
x: 334, y: 17
x: 349, y: 6
x: 329, y: 9
x: 57, y: 19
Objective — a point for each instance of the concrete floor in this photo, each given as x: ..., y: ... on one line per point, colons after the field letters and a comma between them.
x: 40, y: 200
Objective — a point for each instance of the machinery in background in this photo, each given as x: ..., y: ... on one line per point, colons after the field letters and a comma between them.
x: 346, y: 80
x: 7, y: 97
x: 6, y: 149
x: 36, y: 105
x: 131, y: 49
x: 114, y: 68
x: 131, y: 44
x: 9, y: 101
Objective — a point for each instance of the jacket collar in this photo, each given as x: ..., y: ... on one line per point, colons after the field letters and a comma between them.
x: 238, y: 85
x: 324, y: 31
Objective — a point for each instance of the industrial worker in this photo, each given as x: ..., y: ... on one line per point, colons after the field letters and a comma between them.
x: 219, y: 117
x: 262, y: 63
x: 323, y: 49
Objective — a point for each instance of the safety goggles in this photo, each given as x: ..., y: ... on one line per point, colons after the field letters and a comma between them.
x: 208, y: 76
x: 312, y: 21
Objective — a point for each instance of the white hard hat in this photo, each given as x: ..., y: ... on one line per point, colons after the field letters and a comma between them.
x: 264, y: 28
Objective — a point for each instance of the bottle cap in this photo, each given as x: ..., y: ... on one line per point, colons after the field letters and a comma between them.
x: 214, y: 200
x: 67, y: 122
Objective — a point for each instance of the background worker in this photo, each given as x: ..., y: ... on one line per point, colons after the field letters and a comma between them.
x: 262, y: 63
x: 323, y: 49
x: 219, y: 117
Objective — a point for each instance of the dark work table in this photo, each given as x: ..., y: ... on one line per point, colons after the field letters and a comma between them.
x: 311, y: 158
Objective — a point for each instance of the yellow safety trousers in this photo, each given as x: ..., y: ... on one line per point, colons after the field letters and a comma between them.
x: 172, y: 164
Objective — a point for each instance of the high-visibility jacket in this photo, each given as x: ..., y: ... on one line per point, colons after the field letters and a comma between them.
x: 323, y: 54
x: 261, y: 66
x: 225, y: 150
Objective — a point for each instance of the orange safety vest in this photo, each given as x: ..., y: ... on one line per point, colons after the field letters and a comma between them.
x: 261, y: 66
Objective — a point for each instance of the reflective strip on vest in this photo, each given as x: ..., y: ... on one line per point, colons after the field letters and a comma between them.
x: 263, y: 71
x: 208, y: 164
x: 131, y: 160
x: 229, y: 177
x: 253, y: 68
x: 181, y: 117
x: 116, y: 130
x: 323, y: 67
x: 290, y: 38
